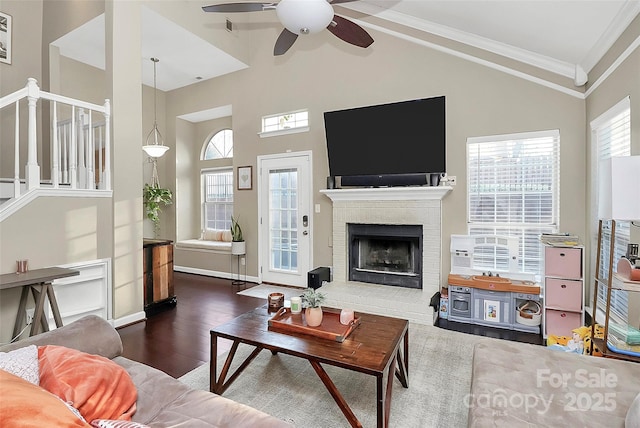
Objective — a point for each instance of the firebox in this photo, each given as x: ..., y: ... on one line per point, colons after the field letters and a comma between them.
x: 388, y: 254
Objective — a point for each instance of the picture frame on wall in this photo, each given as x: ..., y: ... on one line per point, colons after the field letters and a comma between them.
x: 244, y: 178
x: 6, y: 31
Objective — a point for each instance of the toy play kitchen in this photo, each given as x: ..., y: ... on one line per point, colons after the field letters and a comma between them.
x: 505, y: 300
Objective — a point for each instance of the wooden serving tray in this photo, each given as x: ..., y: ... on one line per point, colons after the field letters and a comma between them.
x: 285, y: 322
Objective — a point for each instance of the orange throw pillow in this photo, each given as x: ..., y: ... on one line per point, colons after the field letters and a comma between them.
x: 25, y: 405
x: 96, y: 386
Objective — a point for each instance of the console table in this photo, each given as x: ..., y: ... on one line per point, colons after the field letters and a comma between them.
x: 32, y: 280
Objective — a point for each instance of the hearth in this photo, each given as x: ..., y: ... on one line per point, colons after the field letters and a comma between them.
x: 385, y: 254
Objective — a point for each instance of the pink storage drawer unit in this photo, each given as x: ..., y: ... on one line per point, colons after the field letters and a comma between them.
x: 561, y: 323
x: 563, y: 294
x: 563, y: 262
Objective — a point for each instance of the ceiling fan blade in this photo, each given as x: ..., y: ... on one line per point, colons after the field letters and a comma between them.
x: 286, y: 39
x: 238, y: 7
x: 350, y: 32
x: 341, y: 1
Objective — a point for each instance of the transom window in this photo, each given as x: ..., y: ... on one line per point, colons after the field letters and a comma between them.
x: 285, y: 121
x: 217, y: 206
x: 220, y: 146
x: 513, y: 188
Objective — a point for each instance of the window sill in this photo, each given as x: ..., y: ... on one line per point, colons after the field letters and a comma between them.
x: 283, y: 132
x: 202, y: 245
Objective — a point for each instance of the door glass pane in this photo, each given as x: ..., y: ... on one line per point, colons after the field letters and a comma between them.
x: 283, y: 213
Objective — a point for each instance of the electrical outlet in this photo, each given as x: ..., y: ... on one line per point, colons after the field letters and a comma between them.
x: 243, y: 261
x: 30, y: 315
x: 451, y: 180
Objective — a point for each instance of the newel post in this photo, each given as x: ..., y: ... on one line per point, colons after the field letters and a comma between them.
x: 32, y: 171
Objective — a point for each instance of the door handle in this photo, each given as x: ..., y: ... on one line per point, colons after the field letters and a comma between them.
x: 305, y: 220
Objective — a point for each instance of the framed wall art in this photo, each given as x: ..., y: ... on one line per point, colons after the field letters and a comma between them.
x: 6, y: 31
x: 244, y: 178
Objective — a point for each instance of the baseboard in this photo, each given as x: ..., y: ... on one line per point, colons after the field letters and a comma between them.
x: 128, y: 319
x: 214, y: 273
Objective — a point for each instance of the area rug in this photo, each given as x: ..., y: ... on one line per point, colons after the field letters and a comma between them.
x: 263, y: 290
x: 288, y: 388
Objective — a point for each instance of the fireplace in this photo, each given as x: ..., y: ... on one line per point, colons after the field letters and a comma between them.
x: 416, y: 205
x: 387, y: 254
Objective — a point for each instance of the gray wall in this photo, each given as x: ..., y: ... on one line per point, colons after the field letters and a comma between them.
x: 322, y: 73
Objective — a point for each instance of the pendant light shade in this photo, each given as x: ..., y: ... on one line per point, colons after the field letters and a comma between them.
x: 154, y: 145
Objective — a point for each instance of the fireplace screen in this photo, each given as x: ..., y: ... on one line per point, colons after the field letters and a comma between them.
x: 386, y: 254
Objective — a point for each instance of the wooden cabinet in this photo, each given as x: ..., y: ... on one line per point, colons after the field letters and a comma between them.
x: 158, y: 276
x: 563, y: 290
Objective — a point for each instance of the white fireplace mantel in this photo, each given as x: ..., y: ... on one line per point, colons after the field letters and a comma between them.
x: 388, y: 193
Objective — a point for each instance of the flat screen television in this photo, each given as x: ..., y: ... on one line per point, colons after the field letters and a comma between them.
x: 406, y: 137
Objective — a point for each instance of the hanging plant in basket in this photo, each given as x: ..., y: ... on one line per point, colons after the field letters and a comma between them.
x: 154, y: 198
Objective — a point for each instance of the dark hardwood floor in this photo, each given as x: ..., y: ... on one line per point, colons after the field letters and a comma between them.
x: 177, y: 340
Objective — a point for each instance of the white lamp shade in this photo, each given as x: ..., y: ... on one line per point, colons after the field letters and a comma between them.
x: 619, y: 190
x: 155, y: 150
x: 304, y: 16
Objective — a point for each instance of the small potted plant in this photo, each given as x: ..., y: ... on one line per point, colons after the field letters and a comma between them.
x: 312, y: 301
x: 154, y: 198
x: 238, y: 246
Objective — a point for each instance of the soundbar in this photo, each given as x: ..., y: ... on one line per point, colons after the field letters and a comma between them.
x: 384, y: 180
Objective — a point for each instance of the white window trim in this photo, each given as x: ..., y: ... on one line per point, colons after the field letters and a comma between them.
x: 203, y: 150
x: 595, y: 124
x: 286, y: 131
x: 283, y: 132
x: 204, y: 171
x: 554, y: 133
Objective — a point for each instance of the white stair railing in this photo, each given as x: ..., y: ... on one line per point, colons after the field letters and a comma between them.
x: 79, y: 146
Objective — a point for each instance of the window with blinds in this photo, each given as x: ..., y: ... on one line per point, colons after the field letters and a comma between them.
x: 217, y: 206
x: 513, y: 190
x: 612, y: 135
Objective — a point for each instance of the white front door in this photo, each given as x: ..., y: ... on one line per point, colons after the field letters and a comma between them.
x: 285, y: 189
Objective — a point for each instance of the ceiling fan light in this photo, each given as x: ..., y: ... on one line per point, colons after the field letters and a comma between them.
x: 304, y: 16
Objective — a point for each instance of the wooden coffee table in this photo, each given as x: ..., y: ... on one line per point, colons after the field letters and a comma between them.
x: 378, y: 347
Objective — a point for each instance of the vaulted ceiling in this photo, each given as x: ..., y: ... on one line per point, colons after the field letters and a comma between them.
x: 565, y: 37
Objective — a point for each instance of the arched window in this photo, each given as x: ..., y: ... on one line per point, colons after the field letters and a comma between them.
x: 220, y: 146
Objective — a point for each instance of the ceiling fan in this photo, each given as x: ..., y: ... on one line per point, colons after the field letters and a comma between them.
x: 303, y: 17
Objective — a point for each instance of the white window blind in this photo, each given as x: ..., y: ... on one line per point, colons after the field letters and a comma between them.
x: 612, y: 134
x: 217, y: 208
x: 513, y: 190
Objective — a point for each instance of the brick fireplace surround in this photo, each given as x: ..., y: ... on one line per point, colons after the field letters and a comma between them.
x: 387, y: 205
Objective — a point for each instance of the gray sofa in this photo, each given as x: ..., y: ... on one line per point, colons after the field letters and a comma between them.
x: 162, y: 400
x: 520, y: 385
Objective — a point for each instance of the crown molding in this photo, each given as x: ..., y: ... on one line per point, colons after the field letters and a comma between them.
x: 627, y: 14
x: 544, y: 62
x: 474, y: 59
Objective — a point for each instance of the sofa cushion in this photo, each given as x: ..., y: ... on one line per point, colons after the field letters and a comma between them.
x: 166, y: 402
x: 632, y: 420
x: 110, y: 423
x: 25, y: 405
x: 517, y: 384
x: 90, y: 334
x: 96, y: 386
x: 22, y: 362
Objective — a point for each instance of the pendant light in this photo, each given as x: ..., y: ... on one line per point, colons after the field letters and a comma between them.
x: 157, y: 148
